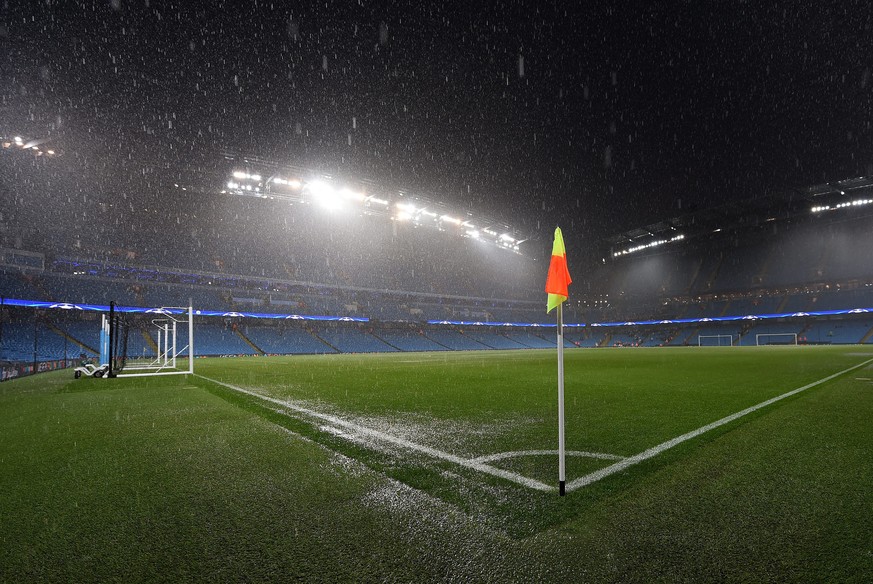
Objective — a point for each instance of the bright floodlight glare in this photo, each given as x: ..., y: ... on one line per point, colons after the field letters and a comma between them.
x: 506, y: 237
x: 379, y: 201
x: 255, y: 177
x: 324, y: 194
x: 232, y: 185
x: 18, y: 140
x: 473, y: 233
x: 403, y: 216
x: 240, y: 174
x: 449, y: 219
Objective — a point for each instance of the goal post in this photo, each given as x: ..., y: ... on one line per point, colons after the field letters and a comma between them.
x: 765, y: 339
x: 153, y: 342
x: 715, y: 340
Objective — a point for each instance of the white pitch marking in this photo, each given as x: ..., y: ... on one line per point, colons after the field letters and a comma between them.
x: 433, y: 452
x: 516, y: 453
x: 655, y: 450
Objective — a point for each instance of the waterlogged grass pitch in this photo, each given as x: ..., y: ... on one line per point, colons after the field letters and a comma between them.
x: 364, y: 468
x: 475, y: 404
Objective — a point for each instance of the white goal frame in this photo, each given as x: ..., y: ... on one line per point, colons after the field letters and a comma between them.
x: 759, y: 335
x: 165, y: 324
x: 719, y: 337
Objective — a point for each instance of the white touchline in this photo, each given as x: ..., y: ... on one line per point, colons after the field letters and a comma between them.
x: 433, y: 452
x: 655, y: 450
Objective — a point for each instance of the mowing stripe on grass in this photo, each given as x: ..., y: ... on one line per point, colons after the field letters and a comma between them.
x: 655, y: 450
x: 385, y: 437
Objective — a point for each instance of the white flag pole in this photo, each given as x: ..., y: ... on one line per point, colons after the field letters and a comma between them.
x: 561, y: 470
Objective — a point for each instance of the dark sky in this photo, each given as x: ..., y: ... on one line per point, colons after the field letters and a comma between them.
x: 602, y: 116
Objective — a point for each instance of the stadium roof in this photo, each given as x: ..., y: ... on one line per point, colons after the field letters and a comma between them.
x: 784, y: 206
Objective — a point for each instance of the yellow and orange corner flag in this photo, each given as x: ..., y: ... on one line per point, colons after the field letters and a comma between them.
x: 559, y: 276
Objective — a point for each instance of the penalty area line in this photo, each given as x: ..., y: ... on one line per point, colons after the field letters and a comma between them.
x: 338, y: 422
x: 656, y: 450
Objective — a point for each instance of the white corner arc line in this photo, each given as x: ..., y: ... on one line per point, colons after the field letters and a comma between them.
x: 385, y: 437
x: 655, y: 450
x: 516, y: 453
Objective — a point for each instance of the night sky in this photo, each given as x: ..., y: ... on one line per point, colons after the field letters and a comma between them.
x: 601, y: 116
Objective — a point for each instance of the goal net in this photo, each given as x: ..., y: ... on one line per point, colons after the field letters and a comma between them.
x: 715, y: 340
x: 776, y: 339
x: 159, y: 341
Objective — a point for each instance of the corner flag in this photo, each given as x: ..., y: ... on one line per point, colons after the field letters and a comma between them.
x: 559, y: 276
x: 556, y: 286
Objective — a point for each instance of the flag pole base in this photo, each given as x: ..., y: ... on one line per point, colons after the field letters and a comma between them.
x: 561, y: 488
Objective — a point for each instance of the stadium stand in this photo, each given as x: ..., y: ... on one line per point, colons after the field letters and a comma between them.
x: 352, y: 340
x: 454, y: 339
x: 24, y: 341
x: 838, y: 332
x: 281, y: 340
x: 533, y: 341
x: 220, y: 339
x: 494, y: 340
x: 409, y: 340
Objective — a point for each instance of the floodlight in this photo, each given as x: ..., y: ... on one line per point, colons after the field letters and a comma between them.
x: 324, y: 194
x: 473, y: 233
x: 449, y: 219
x: 375, y: 200
x: 256, y: 177
x: 240, y: 174
x: 232, y: 185
x: 18, y: 140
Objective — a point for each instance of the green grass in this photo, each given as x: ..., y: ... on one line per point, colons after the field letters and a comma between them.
x: 178, y: 479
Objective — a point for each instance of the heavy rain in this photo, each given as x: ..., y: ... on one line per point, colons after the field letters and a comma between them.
x: 347, y: 212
